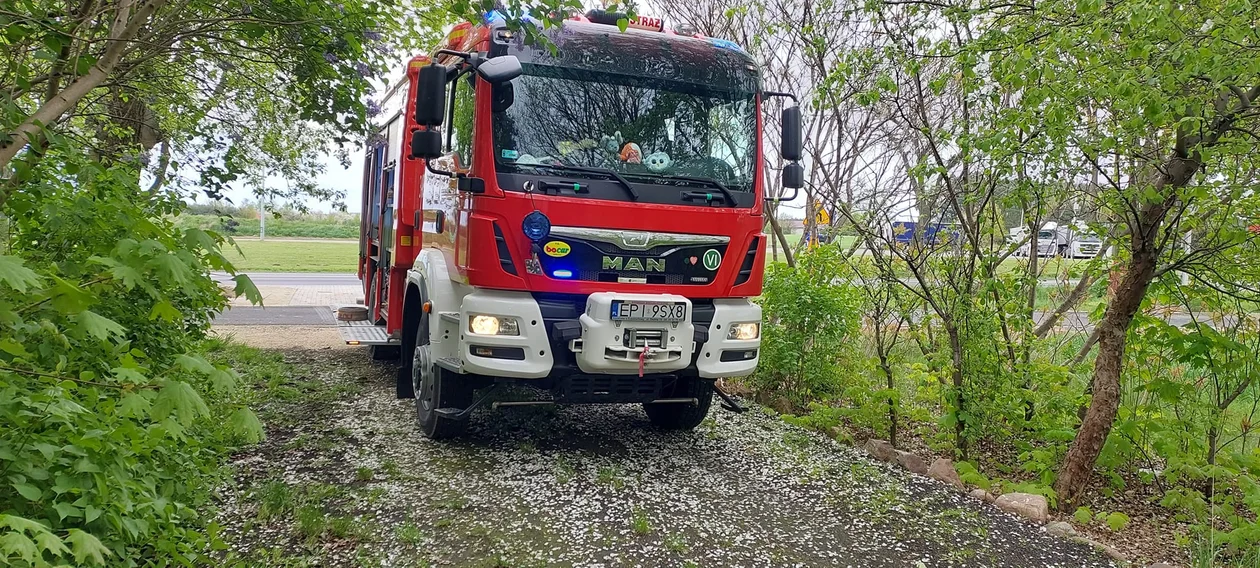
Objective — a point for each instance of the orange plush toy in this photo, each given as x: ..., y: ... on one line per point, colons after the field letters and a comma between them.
x: 631, y: 154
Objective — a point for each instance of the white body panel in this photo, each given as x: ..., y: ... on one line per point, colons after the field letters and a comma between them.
x: 602, y: 348
x: 725, y: 313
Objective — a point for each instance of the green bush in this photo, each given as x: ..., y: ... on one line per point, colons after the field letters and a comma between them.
x: 288, y: 224
x: 115, y: 426
x: 809, y: 345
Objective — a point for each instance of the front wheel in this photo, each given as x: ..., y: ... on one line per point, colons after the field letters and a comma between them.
x: 682, y: 415
x: 436, y: 388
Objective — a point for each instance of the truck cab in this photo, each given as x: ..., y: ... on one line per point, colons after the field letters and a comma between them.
x: 584, y: 221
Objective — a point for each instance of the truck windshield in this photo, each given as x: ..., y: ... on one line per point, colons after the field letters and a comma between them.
x: 641, y: 128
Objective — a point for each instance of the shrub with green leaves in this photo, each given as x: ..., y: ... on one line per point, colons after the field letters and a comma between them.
x: 812, y: 321
x: 114, y: 426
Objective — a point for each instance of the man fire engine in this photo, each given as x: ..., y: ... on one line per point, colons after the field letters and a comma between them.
x: 584, y: 221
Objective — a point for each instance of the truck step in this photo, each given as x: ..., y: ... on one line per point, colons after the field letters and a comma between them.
x: 450, y: 363
x: 364, y: 333
x: 452, y: 317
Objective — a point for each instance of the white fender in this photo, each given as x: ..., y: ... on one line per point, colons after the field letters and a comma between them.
x: 430, y: 274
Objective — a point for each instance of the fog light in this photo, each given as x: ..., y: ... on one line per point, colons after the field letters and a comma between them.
x: 482, y: 324
x: 744, y: 331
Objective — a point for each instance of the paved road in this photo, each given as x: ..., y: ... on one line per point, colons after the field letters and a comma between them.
x: 279, y: 315
x: 296, y: 279
x: 586, y: 486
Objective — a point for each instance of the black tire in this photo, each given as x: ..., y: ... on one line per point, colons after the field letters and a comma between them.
x: 681, y: 415
x: 438, y: 388
x: 1065, y: 251
x: 404, y: 388
x: 384, y: 352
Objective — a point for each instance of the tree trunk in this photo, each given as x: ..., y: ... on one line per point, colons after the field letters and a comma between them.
x: 778, y: 234
x: 125, y: 27
x: 960, y: 426
x: 1111, y: 332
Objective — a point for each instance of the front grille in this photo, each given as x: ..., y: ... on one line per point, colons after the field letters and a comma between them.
x: 609, y: 248
x: 649, y: 277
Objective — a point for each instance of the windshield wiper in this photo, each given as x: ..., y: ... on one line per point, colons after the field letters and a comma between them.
x: 726, y: 191
x: 634, y: 195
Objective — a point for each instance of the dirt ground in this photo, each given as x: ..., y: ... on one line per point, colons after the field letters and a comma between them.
x: 309, y: 337
x: 344, y: 479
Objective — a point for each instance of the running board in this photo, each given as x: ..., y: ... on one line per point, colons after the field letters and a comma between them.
x: 364, y: 333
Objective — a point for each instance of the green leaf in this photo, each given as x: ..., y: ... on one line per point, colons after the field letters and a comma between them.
x: 1117, y: 521
x: 30, y: 492
x: 223, y: 380
x: 623, y: 23
x: 13, y: 348
x: 16, y: 544
x: 180, y: 400
x: 1083, y: 515
x: 246, y: 424
x: 98, y: 326
x: 165, y: 311
x: 134, y: 405
x: 65, y: 510
x: 22, y: 524
x: 195, y: 364
x: 245, y: 287
x: 48, y: 542
x: 17, y: 276
x: 85, y: 545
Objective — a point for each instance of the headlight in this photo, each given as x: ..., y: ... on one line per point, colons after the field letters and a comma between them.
x: 482, y: 324
x: 744, y: 331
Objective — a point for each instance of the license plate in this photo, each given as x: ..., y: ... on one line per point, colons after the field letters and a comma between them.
x: 649, y: 311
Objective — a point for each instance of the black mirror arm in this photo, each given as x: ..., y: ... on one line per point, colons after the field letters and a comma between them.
x: 428, y: 164
x: 781, y: 94
x: 795, y: 192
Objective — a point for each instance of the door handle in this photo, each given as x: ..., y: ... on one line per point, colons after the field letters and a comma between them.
x: 439, y: 222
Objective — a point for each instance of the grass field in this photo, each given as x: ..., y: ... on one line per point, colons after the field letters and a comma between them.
x: 295, y: 256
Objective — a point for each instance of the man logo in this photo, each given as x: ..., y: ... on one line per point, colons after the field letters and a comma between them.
x: 633, y: 264
x: 557, y: 249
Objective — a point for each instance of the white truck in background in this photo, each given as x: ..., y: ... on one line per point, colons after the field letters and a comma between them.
x: 1074, y: 240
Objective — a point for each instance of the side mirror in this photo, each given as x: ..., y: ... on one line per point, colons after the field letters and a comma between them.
x: 793, y: 176
x: 499, y: 69
x: 793, y: 179
x: 501, y: 97
x: 426, y: 144
x: 791, y: 138
x: 431, y: 95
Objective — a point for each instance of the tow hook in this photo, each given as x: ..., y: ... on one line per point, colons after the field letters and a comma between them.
x: 728, y: 403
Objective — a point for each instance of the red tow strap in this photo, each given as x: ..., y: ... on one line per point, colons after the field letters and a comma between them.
x: 643, y: 358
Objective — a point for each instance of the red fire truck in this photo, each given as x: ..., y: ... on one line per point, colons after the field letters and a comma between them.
x: 584, y: 220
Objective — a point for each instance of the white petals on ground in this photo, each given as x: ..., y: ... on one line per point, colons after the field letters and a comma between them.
x: 592, y: 486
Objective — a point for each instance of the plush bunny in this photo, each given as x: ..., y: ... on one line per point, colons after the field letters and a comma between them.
x: 658, y: 162
x: 611, y: 144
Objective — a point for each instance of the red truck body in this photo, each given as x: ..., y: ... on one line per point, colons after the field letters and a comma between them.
x: 446, y: 237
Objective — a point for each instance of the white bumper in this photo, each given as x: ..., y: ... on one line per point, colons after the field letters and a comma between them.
x: 626, y: 347
x: 741, y: 355
x: 606, y: 346
x: 535, y: 361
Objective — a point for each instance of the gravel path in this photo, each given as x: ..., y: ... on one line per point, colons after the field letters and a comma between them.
x: 584, y: 486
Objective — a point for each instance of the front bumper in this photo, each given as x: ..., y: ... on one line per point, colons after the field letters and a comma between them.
x: 569, y: 335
